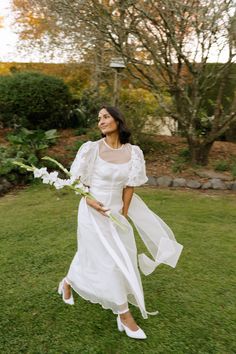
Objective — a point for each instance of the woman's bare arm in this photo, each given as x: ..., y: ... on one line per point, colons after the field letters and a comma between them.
x: 127, y: 196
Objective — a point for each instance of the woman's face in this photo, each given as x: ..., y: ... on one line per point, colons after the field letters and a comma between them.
x: 106, y: 122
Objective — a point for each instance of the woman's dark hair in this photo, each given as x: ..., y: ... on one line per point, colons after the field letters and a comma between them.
x: 124, y: 133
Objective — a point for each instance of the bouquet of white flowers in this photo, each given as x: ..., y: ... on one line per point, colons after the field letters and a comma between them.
x: 72, y: 183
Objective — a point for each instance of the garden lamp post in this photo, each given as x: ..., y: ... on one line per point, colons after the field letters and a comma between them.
x: 117, y: 64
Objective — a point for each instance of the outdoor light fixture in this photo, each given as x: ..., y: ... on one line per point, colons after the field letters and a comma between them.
x: 118, y: 64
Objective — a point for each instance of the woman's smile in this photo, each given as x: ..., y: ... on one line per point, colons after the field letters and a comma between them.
x: 106, y: 122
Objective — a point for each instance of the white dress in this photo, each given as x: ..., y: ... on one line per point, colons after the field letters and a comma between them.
x: 105, y: 269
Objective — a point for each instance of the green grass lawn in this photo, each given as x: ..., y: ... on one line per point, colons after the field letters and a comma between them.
x: 196, y: 300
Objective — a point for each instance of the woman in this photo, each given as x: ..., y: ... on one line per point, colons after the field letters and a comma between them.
x: 104, y: 269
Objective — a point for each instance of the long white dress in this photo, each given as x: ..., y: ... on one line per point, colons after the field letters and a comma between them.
x: 105, y: 269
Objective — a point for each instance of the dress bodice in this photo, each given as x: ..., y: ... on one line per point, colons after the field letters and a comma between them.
x: 97, y: 164
x: 109, y: 176
x: 107, y: 182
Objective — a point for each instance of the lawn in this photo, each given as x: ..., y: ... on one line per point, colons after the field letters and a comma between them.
x: 195, y: 301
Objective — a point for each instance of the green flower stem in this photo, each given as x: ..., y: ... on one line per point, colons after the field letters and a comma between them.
x: 27, y: 167
x: 116, y: 221
x: 58, y: 164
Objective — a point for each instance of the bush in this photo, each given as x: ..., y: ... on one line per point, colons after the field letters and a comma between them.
x: 26, y: 146
x: 85, y: 108
x: 149, y: 144
x: 74, y: 148
x: 32, y: 142
x: 34, y: 100
x: 94, y: 135
x: 185, y: 155
x: 11, y: 172
x: 233, y: 170
x: 221, y: 165
x: 81, y: 131
x: 181, y: 160
x: 137, y: 105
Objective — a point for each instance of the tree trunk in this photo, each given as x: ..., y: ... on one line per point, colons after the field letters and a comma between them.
x: 199, y: 152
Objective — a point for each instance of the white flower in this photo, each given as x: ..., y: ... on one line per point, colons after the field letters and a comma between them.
x: 67, y: 182
x: 53, y: 176
x: 39, y: 172
x: 46, y: 178
x: 59, y: 183
x: 50, y: 178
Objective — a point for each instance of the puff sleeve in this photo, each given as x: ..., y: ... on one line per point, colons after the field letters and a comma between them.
x: 137, y: 174
x: 80, y: 166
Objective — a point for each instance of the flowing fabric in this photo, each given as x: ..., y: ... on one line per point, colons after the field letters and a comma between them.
x: 105, y: 268
x: 157, y: 236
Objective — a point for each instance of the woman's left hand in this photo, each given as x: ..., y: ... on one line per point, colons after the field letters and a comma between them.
x: 98, y: 206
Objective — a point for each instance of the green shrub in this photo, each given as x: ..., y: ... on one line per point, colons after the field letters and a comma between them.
x: 94, y: 135
x: 233, y: 170
x: 185, y: 154
x: 137, y: 105
x: 10, y: 171
x: 85, y: 108
x: 32, y: 142
x: 25, y: 146
x: 149, y: 144
x: 181, y: 160
x: 222, y: 165
x: 75, y: 147
x: 177, y: 167
x: 34, y: 100
x: 81, y: 131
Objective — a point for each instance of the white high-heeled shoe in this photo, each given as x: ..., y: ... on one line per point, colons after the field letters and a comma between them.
x: 69, y: 301
x: 139, y: 334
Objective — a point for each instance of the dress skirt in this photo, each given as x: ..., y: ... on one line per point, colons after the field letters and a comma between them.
x: 105, y: 267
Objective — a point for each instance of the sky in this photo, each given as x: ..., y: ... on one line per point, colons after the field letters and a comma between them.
x: 9, y: 39
x: 8, y: 42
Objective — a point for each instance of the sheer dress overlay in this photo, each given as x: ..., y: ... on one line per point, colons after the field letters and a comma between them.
x: 106, y: 267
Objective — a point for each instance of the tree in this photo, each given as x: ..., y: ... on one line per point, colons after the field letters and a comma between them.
x: 167, y: 46
x: 62, y: 29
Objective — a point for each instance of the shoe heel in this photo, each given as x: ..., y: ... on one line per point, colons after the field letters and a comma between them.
x: 139, y: 334
x: 119, y: 324
x: 59, y: 290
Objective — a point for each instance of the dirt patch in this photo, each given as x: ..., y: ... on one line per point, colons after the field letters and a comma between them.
x: 164, y: 162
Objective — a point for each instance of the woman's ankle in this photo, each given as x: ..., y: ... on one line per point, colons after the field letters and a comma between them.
x: 66, y: 285
x: 125, y: 315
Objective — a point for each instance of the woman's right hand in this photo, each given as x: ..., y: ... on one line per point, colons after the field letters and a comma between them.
x: 97, y: 205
